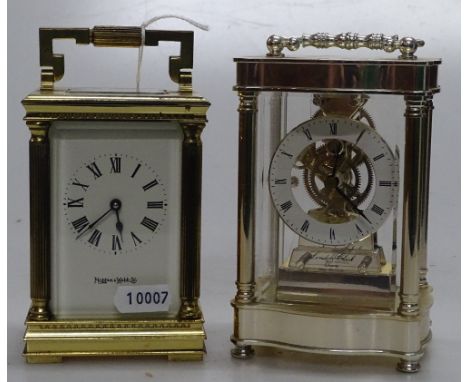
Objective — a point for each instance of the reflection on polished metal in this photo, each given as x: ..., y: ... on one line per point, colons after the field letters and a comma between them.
x: 319, y: 75
x: 293, y: 302
x: 406, y: 45
x: 48, y: 339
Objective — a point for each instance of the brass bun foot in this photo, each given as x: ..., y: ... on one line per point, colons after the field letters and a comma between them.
x: 407, y: 366
x: 242, y: 352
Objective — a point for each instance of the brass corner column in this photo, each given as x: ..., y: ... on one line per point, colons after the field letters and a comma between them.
x: 191, y: 220
x: 39, y: 186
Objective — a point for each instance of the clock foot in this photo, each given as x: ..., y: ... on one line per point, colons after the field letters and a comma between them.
x: 242, y: 352
x: 408, y: 366
x: 43, y: 359
x: 185, y: 357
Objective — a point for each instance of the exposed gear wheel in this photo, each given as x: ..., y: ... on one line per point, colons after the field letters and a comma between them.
x: 343, y: 159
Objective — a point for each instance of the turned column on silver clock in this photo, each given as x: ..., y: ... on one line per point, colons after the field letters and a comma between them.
x: 246, y: 197
x: 418, y: 116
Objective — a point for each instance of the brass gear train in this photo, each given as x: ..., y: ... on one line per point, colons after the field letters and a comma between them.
x: 341, y: 158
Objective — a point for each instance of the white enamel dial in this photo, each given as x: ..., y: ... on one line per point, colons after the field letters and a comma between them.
x: 333, y: 181
x: 115, y: 213
x: 115, y: 203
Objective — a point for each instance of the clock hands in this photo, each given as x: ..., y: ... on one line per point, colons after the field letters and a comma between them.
x: 93, y: 224
x: 333, y: 181
x: 119, y: 225
x: 115, y: 205
x: 355, y: 208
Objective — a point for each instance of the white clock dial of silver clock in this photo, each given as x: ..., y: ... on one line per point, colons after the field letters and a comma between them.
x: 333, y: 181
x: 115, y: 203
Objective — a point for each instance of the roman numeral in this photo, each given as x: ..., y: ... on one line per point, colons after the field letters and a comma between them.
x: 388, y: 183
x: 358, y: 228
x: 149, y: 223
x: 95, y: 237
x: 385, y: 183
x: 380, y: 156
x: 80, y: 224
x: 75, y: 203
x: 286, y: 205
x: 305, y: 226
x: 307, y: 133
x: 375, y: 208
x: 333, y: 128
x: 154, y: 205
x: 153, y: 183
x: 116, y: 246
x: 83, y: 186
x: 136, y: 170
x: 135, y: 238
x: 332, y: 234
x: 280, y: 181
x: 287, y: 154
x: 115, y: 164
x: 94, y: 169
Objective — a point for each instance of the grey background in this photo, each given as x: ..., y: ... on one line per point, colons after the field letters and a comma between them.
x: 237, y: 29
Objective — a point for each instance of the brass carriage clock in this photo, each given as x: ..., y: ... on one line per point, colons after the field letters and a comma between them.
x: 333, y: 199
x: 115, y: 192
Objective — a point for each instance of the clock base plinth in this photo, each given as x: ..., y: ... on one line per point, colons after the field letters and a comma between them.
x: 335, y: 330
x: 51, y: 341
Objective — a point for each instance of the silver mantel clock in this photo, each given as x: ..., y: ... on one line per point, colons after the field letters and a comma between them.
x: 115, y: 192
x: 333, y: 199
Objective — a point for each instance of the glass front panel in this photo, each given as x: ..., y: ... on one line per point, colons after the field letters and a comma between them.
x: 328, y: 185
x: 116, y: 209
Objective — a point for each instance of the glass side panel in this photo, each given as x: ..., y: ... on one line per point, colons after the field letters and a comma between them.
x: 328, y: 185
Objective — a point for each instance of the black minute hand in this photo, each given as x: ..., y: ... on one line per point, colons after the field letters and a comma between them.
x: 94, y: 223
x: 355, y: 208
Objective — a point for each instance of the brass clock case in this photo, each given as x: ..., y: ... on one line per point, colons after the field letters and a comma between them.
x: 48, y: 339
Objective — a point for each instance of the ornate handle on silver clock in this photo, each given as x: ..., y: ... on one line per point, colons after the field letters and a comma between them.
x: 378, y: 41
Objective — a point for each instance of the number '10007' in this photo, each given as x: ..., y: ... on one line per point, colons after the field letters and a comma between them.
x: 147, y: 298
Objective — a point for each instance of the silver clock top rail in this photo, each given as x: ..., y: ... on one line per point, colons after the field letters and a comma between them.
x: 377, y: 41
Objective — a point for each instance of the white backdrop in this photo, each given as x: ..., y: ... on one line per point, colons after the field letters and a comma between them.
x: 238, y: 28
